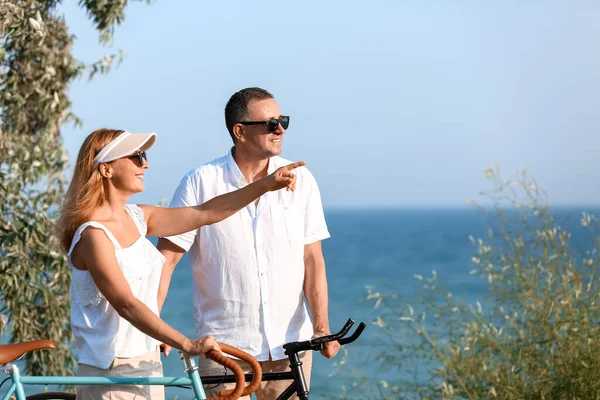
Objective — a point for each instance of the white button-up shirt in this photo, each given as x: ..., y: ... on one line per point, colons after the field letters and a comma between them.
x: 249, y: 269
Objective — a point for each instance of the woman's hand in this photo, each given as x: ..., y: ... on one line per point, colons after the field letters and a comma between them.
x: 202, y: 345
x: 283, y: 177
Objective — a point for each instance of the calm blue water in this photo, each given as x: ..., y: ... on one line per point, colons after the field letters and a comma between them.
x: 383, y: 248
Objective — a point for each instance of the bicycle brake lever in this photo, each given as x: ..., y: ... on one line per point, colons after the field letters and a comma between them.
x: 335, y: 336
x: 319, y: 343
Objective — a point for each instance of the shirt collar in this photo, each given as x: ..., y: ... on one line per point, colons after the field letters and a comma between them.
x: 234, y: 171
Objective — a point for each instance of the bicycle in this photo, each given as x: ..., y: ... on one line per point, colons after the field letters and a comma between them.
x: 14, y: 352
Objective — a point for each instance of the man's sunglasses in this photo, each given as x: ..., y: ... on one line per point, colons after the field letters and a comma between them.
x: 272, y: 124
x: 139, y: 157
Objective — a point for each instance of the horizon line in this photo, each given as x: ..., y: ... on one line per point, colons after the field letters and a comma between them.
x: 446, y: 206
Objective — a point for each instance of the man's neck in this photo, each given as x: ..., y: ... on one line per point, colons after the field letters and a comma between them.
x: 252, y: 168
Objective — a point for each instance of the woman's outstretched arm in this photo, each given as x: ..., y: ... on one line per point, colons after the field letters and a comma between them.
x: 173, y: 221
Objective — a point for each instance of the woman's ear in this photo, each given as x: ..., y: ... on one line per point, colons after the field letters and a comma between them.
x: 105, y: 170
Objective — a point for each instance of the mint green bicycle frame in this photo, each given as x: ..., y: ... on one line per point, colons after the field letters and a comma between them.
x: 18, y: 381
x: 292, y: 349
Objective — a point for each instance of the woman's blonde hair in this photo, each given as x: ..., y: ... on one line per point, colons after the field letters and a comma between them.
x: 86, y: 191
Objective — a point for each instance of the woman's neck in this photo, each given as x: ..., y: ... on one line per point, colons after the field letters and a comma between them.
x: 112, y: 209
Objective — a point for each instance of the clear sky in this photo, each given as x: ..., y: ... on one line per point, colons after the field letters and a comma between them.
x: 393, y: 103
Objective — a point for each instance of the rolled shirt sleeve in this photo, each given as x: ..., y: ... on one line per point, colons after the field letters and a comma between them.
x: 315, y: 227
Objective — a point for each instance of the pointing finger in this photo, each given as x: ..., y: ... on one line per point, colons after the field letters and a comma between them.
x: 294, y: 165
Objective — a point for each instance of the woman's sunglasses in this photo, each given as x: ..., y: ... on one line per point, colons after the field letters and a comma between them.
x: 139, y: 157
x: 272, y: 124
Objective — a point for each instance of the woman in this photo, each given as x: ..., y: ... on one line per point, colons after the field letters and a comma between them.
x: 116, y: 269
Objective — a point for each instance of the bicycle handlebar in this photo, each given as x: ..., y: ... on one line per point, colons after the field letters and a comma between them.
x: 319, y: 343
x: 239, y: 390
x: 290, y: 348
x: 354, y: 336
x: 239, y: 373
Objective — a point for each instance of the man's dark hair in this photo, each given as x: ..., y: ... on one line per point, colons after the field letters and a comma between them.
x: 236, y: 109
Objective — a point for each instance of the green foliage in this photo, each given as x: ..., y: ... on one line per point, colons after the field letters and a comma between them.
x: 36, y: 70
x: 106, y: 15
x: 537, y: 336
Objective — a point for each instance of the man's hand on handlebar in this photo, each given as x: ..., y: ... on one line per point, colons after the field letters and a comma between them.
x: 165, y: 349
x: 330, y: 349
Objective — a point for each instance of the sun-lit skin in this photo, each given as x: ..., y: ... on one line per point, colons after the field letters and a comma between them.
x: 123, y: 178
x: 127, y: 175
x: 255, y: 141
x: 254, y: 144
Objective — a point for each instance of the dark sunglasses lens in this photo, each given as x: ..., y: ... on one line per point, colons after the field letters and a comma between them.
x: 285, y: 122
x: 272, y: 125
x: 141, y: 157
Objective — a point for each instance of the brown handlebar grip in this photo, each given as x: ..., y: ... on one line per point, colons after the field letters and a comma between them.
x: 256, y: 369
x: 240, y: 379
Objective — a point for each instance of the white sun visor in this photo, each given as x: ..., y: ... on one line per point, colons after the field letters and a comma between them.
x: 124, y: 144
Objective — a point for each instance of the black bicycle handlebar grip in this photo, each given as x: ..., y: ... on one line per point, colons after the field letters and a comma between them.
x: 319, y: 343
x: 354, y: 336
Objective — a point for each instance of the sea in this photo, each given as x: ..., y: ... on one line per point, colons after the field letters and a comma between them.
x: 383, y: 248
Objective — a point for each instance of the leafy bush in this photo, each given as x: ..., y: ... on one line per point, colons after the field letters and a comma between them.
x: 537, y: 335
x: 36, y: 70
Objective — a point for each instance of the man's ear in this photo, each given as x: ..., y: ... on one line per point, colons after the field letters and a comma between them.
x: 105, y: 170
x: 238, y: 133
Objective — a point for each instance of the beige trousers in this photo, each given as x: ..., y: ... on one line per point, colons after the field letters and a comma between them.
x: 146, y: 365
x: 268, y: 390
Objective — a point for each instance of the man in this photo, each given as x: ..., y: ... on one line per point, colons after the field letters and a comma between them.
x: 254, y: 270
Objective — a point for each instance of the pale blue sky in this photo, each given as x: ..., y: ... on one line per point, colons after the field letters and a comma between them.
x: 393, y: 103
